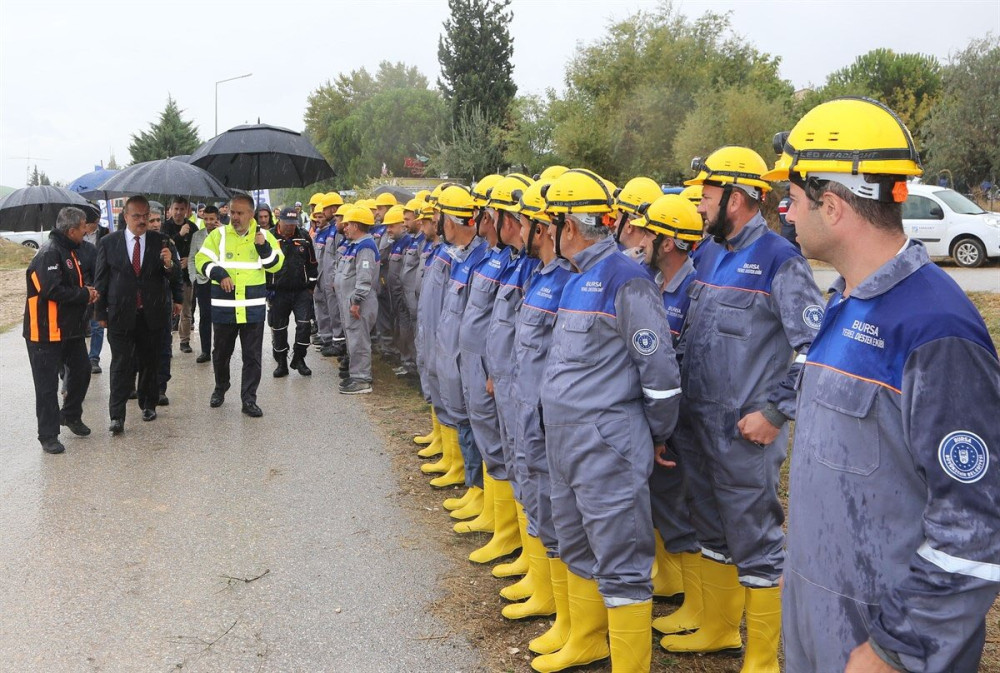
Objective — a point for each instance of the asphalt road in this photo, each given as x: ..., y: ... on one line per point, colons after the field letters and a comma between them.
x: 132, y: 553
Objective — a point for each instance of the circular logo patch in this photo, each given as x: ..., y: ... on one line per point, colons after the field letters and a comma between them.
x: 645, y: 341
x: 964, y: 456
x: 813, y: 316
x: 229, y: 255
x: 69, y: 263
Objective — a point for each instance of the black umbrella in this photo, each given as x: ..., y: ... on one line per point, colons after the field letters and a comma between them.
x: 35, y: 208
x: 402, y: 195
x: 259, y: 156
x: 163, y: 176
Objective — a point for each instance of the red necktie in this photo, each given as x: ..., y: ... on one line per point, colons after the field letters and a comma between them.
x: 136, y: 265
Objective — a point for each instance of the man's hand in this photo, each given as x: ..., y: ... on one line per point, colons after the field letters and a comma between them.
x: 184, y: 262
x: 185, y: 229
x: 227, y: 284
x: 658, y: 452
x: 355, y: 311
x: 166, y: 258
x: 259, y: 239
x: 489, y: 387
x: 757, y: 429
x: 864, y: 660
x: 103, y: 323
x: 93, y: 295
x: 177, y: 309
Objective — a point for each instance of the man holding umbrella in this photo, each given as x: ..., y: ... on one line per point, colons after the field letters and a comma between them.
x: 236, y: 258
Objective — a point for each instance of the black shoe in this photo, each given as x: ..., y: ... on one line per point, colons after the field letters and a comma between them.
x: 281, y: 370
x: 164, y: 401
x: 149, y: 414
x: 299, y: 364
x: 339, y: 349
x: 186, y: 347
x: 117, y: 426
x: 345, y: 375
x: 328, y: 351
x: 345, y: 364
x: 355, y: 387
x: 52, y: 446
x: 316, y: 341
x: 252, y: 410
x: 95, y: 367
x: 133, y: 395
x: 203, y: 357
x: 77, y: 427
x: 218, y: 397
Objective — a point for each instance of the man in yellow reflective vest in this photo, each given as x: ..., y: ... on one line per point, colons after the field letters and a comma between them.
x: 235, y: 258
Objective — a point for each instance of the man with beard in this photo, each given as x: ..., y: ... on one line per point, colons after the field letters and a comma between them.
x: 754, y: 311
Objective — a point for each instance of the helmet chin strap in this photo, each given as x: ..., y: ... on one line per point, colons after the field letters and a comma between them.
x: 440, y: 230
x: 719, y: 229
x: 621, y: 227
x: 500, y: 215
x: 531, y: 240
x: 479, y: 220
x: 559, y: 220
x: 657, y: 243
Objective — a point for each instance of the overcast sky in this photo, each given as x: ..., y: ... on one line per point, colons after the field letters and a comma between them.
x: 78, y: 78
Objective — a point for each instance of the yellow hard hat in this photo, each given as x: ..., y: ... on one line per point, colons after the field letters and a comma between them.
x: 456, y: 201
x: 315, y: 198
x: 427, y: 211
x: 731, y: 165
x: 359, y: 215
x: 342, y: 211
x: 579, y: 191
x: 393, y: 216
x: 501, y: 196
x: 481, y: 191
x: 636, y: 192
x: 422, y: 194
x: 846, y: 139
x: 415, y: 205
x: 532, y: 203
x: 432, y: 198
x: 551, y: 173
x: 674, y: 216
x: 692, y: 194
x: 331, y: 199
x: 385, y: 199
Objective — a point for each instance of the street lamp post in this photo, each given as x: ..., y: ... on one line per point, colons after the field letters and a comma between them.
x: 230, y: 79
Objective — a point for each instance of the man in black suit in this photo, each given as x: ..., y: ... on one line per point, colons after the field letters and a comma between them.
x: 138, y: 282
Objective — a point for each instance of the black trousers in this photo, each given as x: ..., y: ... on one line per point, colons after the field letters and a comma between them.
x: 283, y: 304
x: 47, y: 361
x: 134, y: 350
x: 251, y: 341
x: 203, y: 298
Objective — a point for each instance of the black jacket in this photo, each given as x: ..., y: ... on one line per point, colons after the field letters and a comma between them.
x: 300, y: 267
x: 57, y: 299
x: 183, y: 243
x: 117, y: 282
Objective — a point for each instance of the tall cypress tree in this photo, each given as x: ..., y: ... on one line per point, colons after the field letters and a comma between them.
x: 474, y: 53
x: 168, y: 137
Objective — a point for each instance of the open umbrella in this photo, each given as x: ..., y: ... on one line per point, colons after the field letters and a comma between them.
x: 259, y: 156
x: 402, y: 195
x: 35, y: 208
x: 163, y: 176
x: 89, y: 182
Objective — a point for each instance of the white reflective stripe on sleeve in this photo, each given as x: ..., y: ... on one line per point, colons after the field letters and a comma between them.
x: 801, y: 359
x: 960, y: 566
x: 262, y: 301
x: 208, y: 269
x: 210, y: 254
x: 240, y: 265
x: 270, y: 258
x: 660, y: 394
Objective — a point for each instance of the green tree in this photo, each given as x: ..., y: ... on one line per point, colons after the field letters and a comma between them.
x: 473, y: 151
x: 112, y: 163
x: 962, y: 133
x: 475, y: 53
x: 527, y: 140
x: 38, y: 178
x: 169, y: 136
x: 628, y: 92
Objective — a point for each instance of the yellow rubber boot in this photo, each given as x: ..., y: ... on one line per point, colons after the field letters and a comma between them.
x: 763, y: 630
x: 442, y: 466
x: 520, y: 565
x: 723, y: 599
x: 542, y: 602
x: 434, y: 447
x: 483, y: 523
x: 506, y: 538
x: 558, y: 633
x: 451, y: 504
x: 667, y: 579
x: 456, y: 468
x: 423, y: 440
x: 588, y: 629
x: 472, y: 508
x: 688, y: 616
x: 521, y: 589
x: 630, y: 637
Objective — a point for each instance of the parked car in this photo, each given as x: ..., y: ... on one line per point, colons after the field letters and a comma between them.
x: 950, y: 225
x: 29, y: 239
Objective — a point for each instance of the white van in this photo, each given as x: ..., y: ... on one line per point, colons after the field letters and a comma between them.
x: 951, y: 225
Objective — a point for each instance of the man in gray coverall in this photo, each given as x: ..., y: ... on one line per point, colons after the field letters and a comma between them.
x: 357, y: 274
x: 327, y: 243
x: 609, y: 399
x: 754, y: 311
x: 894, y: 505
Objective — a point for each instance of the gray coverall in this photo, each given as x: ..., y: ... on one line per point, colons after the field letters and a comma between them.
x: 751, y: 310
x: 533, y: 335
x: 411, y: 275
x: 433, y: 284
x: 329, y: 325
x: 610, y: 393
x: 386, y: 310
x: 357, y: 274
x: 447, y: 355
x: 500, y: 353
x: 484, y: 284
x: 894, y: 507
x: 404, y: 252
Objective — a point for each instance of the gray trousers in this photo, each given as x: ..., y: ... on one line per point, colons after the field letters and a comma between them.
x: 531, y: 465
x: 600, y: 500
x: 506, y: 415
x: 358, y: 334
x: 327, y: 308
x: 482, y: 410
